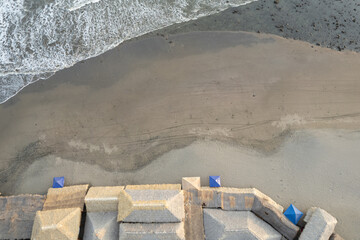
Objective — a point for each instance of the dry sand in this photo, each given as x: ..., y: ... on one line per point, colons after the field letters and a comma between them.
x: 262, y: 111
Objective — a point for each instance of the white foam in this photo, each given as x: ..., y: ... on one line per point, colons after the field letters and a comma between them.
x: 80, y: 3
x: 11, y: 84
x: 44, y: 36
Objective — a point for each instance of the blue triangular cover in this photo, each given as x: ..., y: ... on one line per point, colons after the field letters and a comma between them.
x: 293, y: 214
x: 214, y: 181
x: 58, y: 182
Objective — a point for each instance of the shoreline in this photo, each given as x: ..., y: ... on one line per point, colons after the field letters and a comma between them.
x: 333, y: 29
x: 87, y: 33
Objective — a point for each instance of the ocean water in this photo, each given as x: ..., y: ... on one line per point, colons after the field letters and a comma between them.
x: 40, y: 37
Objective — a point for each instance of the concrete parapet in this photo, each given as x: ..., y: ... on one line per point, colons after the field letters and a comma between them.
x: 194, y: 221
x: 238, y: 199
x: 209, y: 197
x: 103, y: 199
x: 265, y: 208
x: 151, y: 231
x: 269, y: 200
x: 320, y: 225
x: 235, y: 199
x: 67, y: 197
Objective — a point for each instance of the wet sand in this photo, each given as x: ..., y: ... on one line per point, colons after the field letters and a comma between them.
x: 152, y: 110
x: 311, y: 168
x: 329, y: 23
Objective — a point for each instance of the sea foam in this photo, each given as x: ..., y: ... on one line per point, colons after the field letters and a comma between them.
x: 40, y: 37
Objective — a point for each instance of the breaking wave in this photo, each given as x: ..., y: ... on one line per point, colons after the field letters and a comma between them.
x: 40, y: 37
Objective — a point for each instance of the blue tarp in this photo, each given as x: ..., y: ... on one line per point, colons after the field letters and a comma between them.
x: 214, y: 181
x: 293, y: 214
x: 58, y: 182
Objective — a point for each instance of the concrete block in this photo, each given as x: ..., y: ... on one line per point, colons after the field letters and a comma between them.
x: 309, y: 213
x: 269, y: 200
x: 266, y: 209
x: 17, y: 215
x: 151, y: 206
x: 320, y: 225
x: 103, y: 199
x: 59, y: 224
x: 67, y: 197
x: 191, y: 183
x: 151, y: 231
x: 237, y: 225
x: 101, y: 226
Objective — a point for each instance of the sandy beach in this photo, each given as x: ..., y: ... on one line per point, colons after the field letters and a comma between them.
x: 262, y: 111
